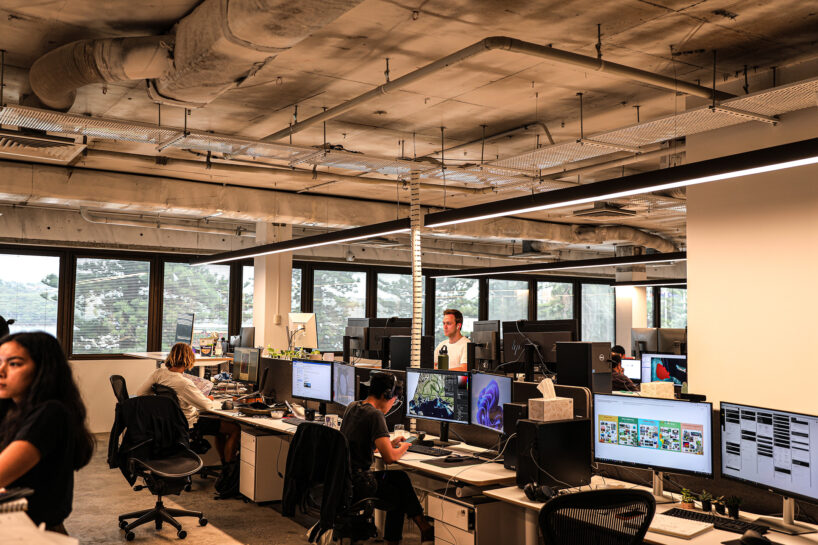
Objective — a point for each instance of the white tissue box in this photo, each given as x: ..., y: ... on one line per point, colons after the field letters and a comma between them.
x: 547, y: 410
x: 657, y: 389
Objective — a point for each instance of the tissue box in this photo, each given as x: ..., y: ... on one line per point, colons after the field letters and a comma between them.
x: 547, y: 410
x: 657, y: 389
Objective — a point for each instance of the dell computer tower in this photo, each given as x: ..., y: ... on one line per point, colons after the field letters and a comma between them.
x: 557, y: 454
x: 398, y: 354
x: 585, y: 364
x: 512, y: 413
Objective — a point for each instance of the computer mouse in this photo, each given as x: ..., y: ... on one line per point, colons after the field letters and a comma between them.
x: 751, y: 537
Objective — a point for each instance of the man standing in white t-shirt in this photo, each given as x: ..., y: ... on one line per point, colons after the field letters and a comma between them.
x: 455, y: 342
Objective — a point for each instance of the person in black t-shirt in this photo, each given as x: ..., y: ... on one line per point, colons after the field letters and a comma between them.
x: 364, y: 426
x: 43, y: 435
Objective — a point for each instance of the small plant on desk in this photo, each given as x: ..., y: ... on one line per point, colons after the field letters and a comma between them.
x: 688, y: 499
x: 733, y: 503
x: 707, y: 501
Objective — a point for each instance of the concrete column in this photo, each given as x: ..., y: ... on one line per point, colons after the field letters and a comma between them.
x: 271, y: 288
x: 631, y: 303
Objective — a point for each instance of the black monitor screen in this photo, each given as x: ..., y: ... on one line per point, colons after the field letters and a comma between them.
x: 664, y: 368
x: 488, y: 395
x: 343, y: 387
x: 312, y: 379
x: 545, y: 341
x: 770, y: 449
x: 437, y: 395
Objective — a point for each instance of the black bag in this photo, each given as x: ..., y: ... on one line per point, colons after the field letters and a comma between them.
x: 227, y: 485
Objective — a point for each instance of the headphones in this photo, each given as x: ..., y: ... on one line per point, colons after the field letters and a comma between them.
x: 393, y: 388
x: 537, y: 492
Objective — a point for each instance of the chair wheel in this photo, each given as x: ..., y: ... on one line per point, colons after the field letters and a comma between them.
x: 187, y: 487
x: 123, y: 524
x: 202, y: 521
x: 129, y: 536
x: 158, y: 524
x: 181, y: 534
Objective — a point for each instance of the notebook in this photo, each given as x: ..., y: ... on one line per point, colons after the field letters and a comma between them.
x: 678, y: 527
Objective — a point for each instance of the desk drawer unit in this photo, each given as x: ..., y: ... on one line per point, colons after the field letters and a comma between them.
x: 473, y: 521
x: 263, y: 457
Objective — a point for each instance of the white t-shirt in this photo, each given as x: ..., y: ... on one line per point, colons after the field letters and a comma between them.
x: 457, y: 352
x: 190, y: 397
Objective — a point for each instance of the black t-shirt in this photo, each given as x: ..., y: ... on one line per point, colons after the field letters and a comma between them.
x: 362, y: 424
x: 47, y: 428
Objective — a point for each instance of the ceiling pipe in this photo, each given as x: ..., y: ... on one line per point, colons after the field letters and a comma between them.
x: 505, y: 43
x: 500, y: 134
x: 158, y: 223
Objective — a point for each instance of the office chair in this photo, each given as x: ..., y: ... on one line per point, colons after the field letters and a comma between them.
x: 120, y: 389
x: 149, y: 440
x: 318, y: 479
x: 601, y: 517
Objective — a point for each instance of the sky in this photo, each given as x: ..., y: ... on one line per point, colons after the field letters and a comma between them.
x: 28, y: 269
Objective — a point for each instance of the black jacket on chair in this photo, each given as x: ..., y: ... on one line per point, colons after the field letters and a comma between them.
x: 318, y: 454
x: 154, y: 427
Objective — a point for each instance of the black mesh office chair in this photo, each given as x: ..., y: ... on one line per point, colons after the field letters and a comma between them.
x: 120, y: 389
x: 597, y: 517
x: 149, y: 440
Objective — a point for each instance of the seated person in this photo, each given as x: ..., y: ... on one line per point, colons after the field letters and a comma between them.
x: 364, y: 426
x: 43, y: 434
x: 455, y: 343
x: 619, y: 380
x: 618, y: 350
x: 191, y: 400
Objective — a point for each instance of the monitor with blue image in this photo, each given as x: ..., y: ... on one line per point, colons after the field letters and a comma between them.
x: 488, y: 395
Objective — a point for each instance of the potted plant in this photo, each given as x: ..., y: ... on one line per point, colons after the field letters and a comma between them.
x: 718, y: 504
x: 688, y: 499
x: 707, y: 501
x: 732, y: 503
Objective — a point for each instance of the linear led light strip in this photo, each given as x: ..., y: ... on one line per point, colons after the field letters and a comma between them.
x: 650, y: 283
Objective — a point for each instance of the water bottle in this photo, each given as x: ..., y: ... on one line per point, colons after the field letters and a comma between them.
x: 443, y: 358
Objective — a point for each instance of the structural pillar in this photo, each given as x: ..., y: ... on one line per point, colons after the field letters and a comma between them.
x: 631, y: 302
x: 273, y: 275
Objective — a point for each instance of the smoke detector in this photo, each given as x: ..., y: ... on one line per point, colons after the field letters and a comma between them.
x: 604, y: 210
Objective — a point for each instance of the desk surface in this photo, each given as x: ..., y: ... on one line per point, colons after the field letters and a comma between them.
x: 160, y: 356
x: 264, y: 422
x: 516, y: 496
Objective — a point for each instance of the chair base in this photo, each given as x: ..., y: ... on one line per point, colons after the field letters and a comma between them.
x: 159, y: 515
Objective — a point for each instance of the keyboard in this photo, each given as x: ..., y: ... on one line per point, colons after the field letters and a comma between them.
x: 678, y: 527
x: 293, y: 420
x: 720, y: 523
x: 429, y: 451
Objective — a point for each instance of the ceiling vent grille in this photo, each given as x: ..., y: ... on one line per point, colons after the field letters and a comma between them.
x: 604, y: 210
x: 40, y: 148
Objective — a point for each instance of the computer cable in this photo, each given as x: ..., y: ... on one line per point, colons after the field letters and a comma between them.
x: 537, y: 348
x: 499, y: 455
x: 395, y: 407
x: 534, y: 459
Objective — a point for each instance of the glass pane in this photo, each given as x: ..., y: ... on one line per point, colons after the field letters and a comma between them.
x: 111, y: 306
x: 248, y: 274
x: 674, y: 307
x: 458, y: 293
x: 203, y: 290
x: 28, y: 292
x: 395, y: 295
x: 508, y: 300
x: 295, y: 291
x: 598, y: 302
x: 555, y: 300
x: 337, y: 295
x: 650, y: 303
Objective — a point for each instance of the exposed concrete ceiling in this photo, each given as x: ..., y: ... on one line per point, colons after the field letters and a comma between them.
x: 498, y: 89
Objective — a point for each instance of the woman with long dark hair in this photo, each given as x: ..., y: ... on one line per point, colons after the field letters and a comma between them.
x: 43, y: 433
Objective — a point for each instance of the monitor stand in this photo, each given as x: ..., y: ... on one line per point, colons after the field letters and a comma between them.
x: 443, y: 441
x: 659, y: 488
x: 322, y: 408
x: 786, y: 524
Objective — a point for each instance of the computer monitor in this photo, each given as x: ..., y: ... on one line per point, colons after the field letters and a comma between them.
x: 644, y: 339
x: 672, y: 340
x: 312, y: 380
x: 543, y: 334
x: 486, y: 333
x: 651, y: 433
x: 386, y: 327
x: 184, y: 328
x: 664, y: 368
x: 343, y: 383
x: 302, y: 330
x: 245, y: 364
x: 488, y: 395
x: 632, y: 368
x: 247, y: 337
x: 433, y: 394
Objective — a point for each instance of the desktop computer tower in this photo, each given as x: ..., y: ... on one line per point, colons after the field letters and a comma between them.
x: 512, y: 413
x: 584, y: 364
x: 398, y: 355
x: 562, y: 448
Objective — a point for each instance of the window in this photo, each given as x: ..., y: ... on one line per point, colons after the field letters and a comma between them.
x: 649, y: 302
x: 295, y: 291
x: 508, y: 300
x: 598, y: 313
x: 395, y: 295
x: 337, y: 295
x: 203, y: 290
x: 673, y: 307
x: 461, y: 294
x: 28, y: 291
x: 248, y: 274
x: 555, y: 300
x: 111, y: 306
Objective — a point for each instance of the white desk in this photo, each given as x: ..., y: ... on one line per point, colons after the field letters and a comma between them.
x: 201, y: 361
x: 264, y: 422
x: 516, y: 496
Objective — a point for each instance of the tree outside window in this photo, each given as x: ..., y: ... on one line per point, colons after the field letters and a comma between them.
x: 674, y: 307
x: 337, y: 295
x: 203, y: 290
x: 28, y: 292
x: 508, y: 300
x: 598, y: 302
x: 555, y: 300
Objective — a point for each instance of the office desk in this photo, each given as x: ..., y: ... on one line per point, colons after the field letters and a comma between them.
x: 516, y: 496
x: 487, y: 474
x: 263, y: 422
x: 201, y: 361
